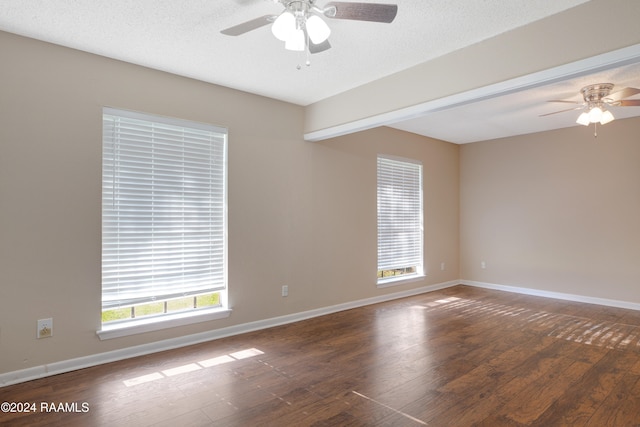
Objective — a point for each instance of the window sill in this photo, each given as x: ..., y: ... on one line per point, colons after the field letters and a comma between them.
x: 140, y: 326
x: 399, y: 280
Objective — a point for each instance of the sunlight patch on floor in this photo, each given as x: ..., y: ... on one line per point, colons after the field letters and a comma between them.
x: 604, y: 334
x: 181, y: 369
x: 244, y: 354
x: 580, y: 330
x: 191, y: 367
x: 216, y: 361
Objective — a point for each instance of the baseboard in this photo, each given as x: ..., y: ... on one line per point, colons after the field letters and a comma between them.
x: 555, y: 295
x: 61, y: 367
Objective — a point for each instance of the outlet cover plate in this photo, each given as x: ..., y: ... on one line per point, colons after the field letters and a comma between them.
x: 45, y: 328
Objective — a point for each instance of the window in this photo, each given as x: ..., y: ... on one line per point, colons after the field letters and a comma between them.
x: 164, y: 222
x: 400, y: 232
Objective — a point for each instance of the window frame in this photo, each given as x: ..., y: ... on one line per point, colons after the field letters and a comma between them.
x: 217, y: 165
x: 418, y: 221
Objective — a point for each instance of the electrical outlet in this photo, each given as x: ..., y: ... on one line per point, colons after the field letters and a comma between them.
x: 443, y: 266
x: 483, y: 265
x: 285, y: 291
x: 45, y: 328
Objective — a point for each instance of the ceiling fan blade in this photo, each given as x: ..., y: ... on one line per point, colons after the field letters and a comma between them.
x: 622, y: 94
x: 561, y: 111
x: 320, y: 47
x: 373, y: 12
x: 245, y: 27
x: 565, y: 100
x: 628, y: 103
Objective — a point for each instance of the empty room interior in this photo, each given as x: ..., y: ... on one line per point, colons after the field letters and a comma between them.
x: 418, y: 212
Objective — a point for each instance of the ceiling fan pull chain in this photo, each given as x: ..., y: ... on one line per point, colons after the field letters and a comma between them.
x: 307, y: 62
x: 307, y: 52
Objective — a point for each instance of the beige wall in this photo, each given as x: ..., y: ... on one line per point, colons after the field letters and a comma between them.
x: 300, y: 214
x: 556, y: 211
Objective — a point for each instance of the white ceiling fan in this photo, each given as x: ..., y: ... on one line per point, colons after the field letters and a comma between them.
x: 301, y: 27
x: 598, y: 99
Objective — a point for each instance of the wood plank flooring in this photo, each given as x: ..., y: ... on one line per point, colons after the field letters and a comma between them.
x: 458, y: 357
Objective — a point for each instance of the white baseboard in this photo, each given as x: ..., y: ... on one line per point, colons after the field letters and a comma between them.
x: 556, y: 295
x: 55, y: 368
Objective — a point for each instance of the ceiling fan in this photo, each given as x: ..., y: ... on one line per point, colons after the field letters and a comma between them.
x: 301, y: 27
x: 597, y: 99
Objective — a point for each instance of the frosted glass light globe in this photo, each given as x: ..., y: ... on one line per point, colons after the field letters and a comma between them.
x: 318, y: 30
x: 284, y: 26
x: 595, y: 115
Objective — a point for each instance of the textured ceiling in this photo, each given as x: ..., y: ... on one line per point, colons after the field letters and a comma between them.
x: 183, y: 37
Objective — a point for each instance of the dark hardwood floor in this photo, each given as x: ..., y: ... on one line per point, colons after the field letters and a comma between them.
x: 457, y: 357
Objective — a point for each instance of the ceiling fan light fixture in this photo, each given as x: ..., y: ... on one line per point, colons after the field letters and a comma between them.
x: 606, y: 117
x: 302, y: 27
x: 595, y: 114
x: 284, y: 26
x: 598, y: 98
x: 317, y: 29
x: 296, y: 41
x: 583, y: 119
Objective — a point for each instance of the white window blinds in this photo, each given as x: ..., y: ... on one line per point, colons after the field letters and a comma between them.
x: 399, y: 214
x: 163, y: 208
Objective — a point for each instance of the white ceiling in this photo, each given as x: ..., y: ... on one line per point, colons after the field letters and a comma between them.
x: 183, y: 37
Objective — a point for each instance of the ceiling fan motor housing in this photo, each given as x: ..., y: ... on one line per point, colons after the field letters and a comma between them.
x: 595, y: 94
